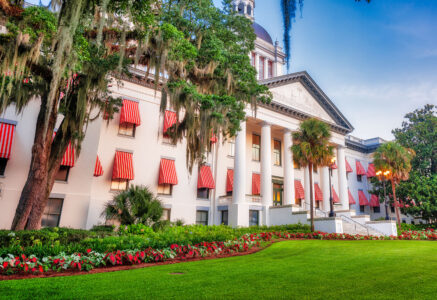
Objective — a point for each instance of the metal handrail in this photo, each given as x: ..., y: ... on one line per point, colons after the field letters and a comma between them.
x: 324, y: 213
x: 349, y: 220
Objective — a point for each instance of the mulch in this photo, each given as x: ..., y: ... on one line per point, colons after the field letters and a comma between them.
x: 129, y: 267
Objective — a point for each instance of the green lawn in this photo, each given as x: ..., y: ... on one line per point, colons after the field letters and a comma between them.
x: 292, y: 269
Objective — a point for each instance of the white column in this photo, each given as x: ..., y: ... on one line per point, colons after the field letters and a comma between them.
x: 266, y: 68
x: 342, y: 180
x: 257, y: 64
x: 239, y: 210
x: 266, y: 170
x: 289, y: 197
x: 307, y: 188
x: 325, y: 189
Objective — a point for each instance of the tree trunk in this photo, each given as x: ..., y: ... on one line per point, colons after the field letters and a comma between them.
x: 37, y: 176
x: 398, y: 216
x: 310, y: 169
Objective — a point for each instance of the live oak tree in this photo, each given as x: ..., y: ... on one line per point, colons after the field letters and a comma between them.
x: 64, y: 61
x: 311, y: 149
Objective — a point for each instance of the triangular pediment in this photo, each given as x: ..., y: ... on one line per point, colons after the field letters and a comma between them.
x: 299, y: 92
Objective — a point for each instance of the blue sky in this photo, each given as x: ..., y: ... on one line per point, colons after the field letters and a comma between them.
x: 376, y: 61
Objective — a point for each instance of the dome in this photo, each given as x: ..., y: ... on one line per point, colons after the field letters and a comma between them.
x: 262, y: 33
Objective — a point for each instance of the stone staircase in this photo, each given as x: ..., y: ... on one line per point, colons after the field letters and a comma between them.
x: 352, y: 228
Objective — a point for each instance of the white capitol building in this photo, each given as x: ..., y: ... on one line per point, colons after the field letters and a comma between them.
x: 247, y: 180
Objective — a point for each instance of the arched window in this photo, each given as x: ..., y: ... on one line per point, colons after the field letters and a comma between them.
x: 241, y: 8
x: 249, y: 10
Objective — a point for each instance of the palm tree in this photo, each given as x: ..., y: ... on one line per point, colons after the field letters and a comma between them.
x: 392, y: 157
x: 311, y: 149
x: 135, y: 205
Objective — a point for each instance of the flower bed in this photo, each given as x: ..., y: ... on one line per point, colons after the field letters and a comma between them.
x: 91, y: 259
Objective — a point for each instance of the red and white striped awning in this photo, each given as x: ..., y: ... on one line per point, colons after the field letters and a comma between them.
x: 170, y: 118
x: 362, y: 198
x: 167, y: 172
x: 351, y: 198
x: 130, y: 112
x: 334, y: 166
x: 299, y: 192
x: 335, y: 198
x: 98, y: 170
x: 318, y: 194
x: 205, y: 179
x: 6, y: 138
x: 348, y: 167
x: 213, y: 138
x: 360, y: 168
x: 374, y: 201
x: 123, y: 166
x: 371, y: 171
x: 230, y: 180
x: 68, y: 159
x: 256, y: 184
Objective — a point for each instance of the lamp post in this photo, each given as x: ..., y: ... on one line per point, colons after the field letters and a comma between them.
x: 382, y: 175
x: 331, y: 201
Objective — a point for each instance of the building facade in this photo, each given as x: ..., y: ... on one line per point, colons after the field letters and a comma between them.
x: 243, y: 180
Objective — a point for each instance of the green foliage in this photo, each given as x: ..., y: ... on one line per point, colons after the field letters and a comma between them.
x: 136, y: 205
x: 52, y: 241
x: 311, y: 144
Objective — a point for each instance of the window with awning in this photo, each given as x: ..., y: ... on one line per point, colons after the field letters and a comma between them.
x: 98, y: 169
x: 130, y: 113
x: 318, y: 194
x: 170, y: 119
x: 230, y: 181
x: 360, y: 168
x: 348, y: 167
x: 335, y: 198
x: 299, y: 192
x: 123, y: 166
x: 205, y: 182
x: 374, y: 201
x: 362, y: 198
x: 351, y: 198
x: 256, y: 184
x: 167, y: 172
x: 6, y: 138
x: 371, y: 171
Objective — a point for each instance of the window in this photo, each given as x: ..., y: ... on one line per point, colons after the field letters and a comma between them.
x: 359, y: 178
x: 224, y: 217
x: 295, y: 165
x: 229, y: 193
x: 253, y: 59
x: 63, y: 173
x: 202, y: 217
x: 127, y: 129
x: 318, y: 204
x: 261, y: 67
x: 270, y: 69
x: 119, y: 184
x: 203, y: 193
x: 277, y: 153
x: 376, y: 209
x: 253, y: 217
x: 165, y: 189
x: 315, y: 170
x: 362, y: 208
x: 404, y: 221
x: 232, y: 147
x: 52, y: 213
x: 3, y: 163
x: 392, y: 208
x: 256, y: 147
x: 166, y: 214
x: 277, y: 194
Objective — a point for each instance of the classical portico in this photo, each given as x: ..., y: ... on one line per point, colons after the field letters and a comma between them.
x: 262, y: 150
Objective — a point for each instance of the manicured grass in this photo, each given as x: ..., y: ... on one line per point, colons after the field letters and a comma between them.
x: 292, y: 269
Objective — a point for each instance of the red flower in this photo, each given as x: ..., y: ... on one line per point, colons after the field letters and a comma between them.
x: 5, y: 265
x: 88, y: 250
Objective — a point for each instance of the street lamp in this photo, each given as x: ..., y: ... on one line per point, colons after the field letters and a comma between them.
x: 331, y: 201
x: 382, y: 176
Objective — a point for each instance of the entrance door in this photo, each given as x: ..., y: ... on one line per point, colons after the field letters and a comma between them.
x: 278, y: 192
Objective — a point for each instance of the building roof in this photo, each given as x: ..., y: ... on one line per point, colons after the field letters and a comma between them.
x: 262, y: 33
x: 342, y: 124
